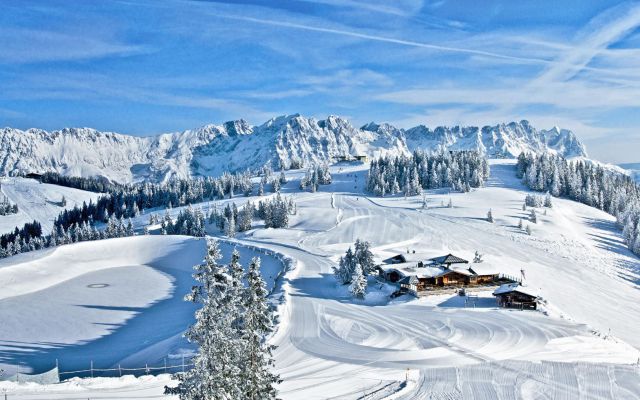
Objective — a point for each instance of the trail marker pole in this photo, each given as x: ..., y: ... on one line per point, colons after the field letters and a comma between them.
x: 183, y: 363
x: 119, y: 370
x: 92, y: 368
x: 165, y: 365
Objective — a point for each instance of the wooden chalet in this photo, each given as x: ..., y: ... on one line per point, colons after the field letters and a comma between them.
x: 514, y: 295
x: 418, y: 277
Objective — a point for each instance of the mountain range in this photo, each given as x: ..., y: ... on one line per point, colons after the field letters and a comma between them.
x: 281, y: 142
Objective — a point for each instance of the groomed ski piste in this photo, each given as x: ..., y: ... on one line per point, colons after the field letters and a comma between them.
x: 119, y: 302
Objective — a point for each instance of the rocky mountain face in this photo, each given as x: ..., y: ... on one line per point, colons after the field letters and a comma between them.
x: 282, y: 142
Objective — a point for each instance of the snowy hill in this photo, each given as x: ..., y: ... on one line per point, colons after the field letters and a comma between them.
x: 85, y: 302
x: 280, y: 142
x: 38, y: 201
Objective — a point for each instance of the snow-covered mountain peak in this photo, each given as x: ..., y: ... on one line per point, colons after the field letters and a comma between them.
x: 281, y: 142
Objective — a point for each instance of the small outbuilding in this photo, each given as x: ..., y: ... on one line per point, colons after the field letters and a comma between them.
x: 514, y: 295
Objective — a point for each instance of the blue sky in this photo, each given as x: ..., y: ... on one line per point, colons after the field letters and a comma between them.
x: 143, y: 67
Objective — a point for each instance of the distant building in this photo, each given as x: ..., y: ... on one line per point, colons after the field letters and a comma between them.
x: 514, y: 295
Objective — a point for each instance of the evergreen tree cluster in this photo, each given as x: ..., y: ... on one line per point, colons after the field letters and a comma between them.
x: 461, y: 170
x: 275, y: 211
x: 234, y: 360
x: 354, y: 267
x: 589, y: 184
x: 315, y: 176
x: 96, y: 185
x: 6, y: 207
x: 21, y: 240
x: 190, y: 222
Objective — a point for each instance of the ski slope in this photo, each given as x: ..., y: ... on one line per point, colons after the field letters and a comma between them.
x: 38, y: 201
x: 583, y: 344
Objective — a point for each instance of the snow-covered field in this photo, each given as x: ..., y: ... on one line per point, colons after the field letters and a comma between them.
x: 583, y: 344
x: 113, y: 302
x: 38, y: 201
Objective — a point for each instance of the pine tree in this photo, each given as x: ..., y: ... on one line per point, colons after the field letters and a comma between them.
x: 533, y: 217
x: 529, y: 232
x: 490, y: 216
x: 358, y: 287
x: 257, y: 375
x: 520, y: 223
x: 363, y: 256
x: 346, y: 267
x: 216, y: 373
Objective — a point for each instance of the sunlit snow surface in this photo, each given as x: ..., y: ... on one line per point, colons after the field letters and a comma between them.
x: 333, y: 347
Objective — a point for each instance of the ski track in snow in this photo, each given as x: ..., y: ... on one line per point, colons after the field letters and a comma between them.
x: 331, y: 347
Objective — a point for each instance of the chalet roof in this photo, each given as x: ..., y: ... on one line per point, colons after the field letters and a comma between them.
x: 410, y: 269
x: 409, y: 280
x: 516, y: 287
x: 484, y: 269
x: 398, y: 258
x: 449, y: 259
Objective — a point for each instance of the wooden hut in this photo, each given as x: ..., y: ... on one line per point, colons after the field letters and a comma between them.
x: 514, y: 295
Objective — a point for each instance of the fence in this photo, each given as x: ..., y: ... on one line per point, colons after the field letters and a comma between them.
x: 55, y: 375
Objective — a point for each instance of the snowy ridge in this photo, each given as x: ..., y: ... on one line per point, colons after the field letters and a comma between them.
x: 285, y: 141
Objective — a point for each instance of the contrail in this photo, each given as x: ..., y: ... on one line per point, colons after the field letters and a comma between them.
x: 387, y: 39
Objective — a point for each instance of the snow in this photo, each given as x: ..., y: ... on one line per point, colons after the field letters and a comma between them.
x: 235, y: 146
x: 582, y: 343
x: 38, y: 201
x: 116, y: 301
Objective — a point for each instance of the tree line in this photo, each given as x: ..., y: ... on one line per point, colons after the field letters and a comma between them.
x: 460, y: 170
x: 587, y: 183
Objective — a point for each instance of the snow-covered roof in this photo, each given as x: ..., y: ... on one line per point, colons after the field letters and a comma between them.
x: 516, y: 287
x: 484, y: 269
x: 411, y: 269
x: 449, y: 259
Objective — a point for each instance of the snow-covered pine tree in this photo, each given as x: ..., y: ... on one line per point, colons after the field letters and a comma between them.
x: 477, y: 258
x: 257, y: 374
x: 346, y: 267
x: 528, y: 229
x: 216, y: 373
x: 533, y: 217
x: 490, y: 216
x: 547, y: 201
x: 364, y: 256
x: 358, y: 287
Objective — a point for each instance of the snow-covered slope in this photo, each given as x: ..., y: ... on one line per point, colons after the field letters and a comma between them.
x: 38, y: 201
x: 331, y: 346
x: 236, y: 145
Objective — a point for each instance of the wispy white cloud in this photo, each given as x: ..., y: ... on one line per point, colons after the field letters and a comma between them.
x: 601, y: 32
x: 32, y: 45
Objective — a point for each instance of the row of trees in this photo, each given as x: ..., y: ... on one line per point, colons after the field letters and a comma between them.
x: 461, y: 170
x: 354, y: 267
x: 30, y: 237
x: 315, y: 176
x: 587, y: 183
x: 234, y: 360
x: 97, y: 185
x: 6, y: 207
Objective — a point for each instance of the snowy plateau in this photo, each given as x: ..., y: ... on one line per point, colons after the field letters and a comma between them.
x: 117, y: 304
x: 236, y: 145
